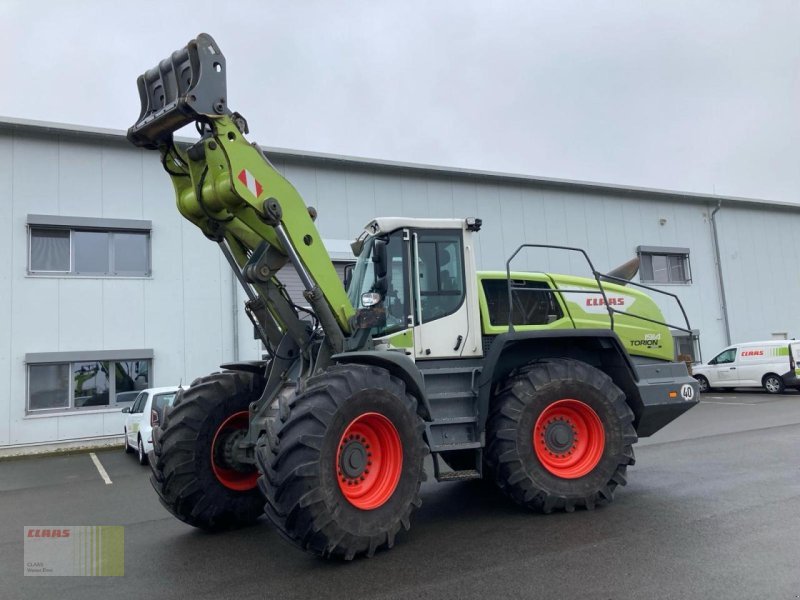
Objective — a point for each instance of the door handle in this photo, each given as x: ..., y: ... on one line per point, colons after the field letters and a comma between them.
x: 458, y: 343
x: 733, y: 368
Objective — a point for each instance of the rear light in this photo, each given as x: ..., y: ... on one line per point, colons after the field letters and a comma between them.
x: 153, y: 418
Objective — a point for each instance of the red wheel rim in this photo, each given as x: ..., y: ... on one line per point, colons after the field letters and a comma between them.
x: 369, y: 461
x: 568, y: 438
x: 230, y: 478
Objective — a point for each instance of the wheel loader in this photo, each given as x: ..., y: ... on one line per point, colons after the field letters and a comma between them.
x: 541, y: 383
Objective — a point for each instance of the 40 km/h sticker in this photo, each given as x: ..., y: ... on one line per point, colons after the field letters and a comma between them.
x: 687, y: 392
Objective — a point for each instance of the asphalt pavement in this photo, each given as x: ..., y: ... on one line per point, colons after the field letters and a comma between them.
x: 712, y: 510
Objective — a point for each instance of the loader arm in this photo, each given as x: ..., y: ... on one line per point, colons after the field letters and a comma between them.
x: 227, y: 188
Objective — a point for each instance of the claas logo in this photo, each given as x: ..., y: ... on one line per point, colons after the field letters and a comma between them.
x: 612, y: 301
x: 752, y: 353
x: 48, y: 533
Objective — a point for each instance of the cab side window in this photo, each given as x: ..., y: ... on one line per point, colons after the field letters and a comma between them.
x: 728, y: 356
x: 531, y: 303
x: 440, y: 271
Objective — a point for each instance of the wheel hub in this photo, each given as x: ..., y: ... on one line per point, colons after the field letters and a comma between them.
x: 559, y: 435
x: 226, y: 454
x: 353, y: 460
x: 229, y: 448
x: 369, y: 461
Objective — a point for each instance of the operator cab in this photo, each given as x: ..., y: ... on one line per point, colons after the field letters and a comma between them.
x: 418, y: 276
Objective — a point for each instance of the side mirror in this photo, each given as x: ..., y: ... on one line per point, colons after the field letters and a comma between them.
x: 379, y: 258
x: 127, y: 409
x: 348, y: 276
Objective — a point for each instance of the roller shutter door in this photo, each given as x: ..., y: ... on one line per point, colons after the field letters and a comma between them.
x: 291, y: 280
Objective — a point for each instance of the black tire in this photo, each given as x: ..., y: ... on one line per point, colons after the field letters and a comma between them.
x: 773, y: 384
x: 141, y: 455
x: 517, y: 405
x: 182, y: 471
x: 301, y: 483
x: 704, y: 386
x: 128, y: 449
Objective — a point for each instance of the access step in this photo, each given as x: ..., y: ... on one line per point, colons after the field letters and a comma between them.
x: 459, y: 475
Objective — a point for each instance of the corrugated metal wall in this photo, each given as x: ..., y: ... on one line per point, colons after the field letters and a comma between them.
x: 185, y: 311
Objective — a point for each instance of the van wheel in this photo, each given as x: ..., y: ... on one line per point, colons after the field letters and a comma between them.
x: 704, y: 387
x: 773, y: 384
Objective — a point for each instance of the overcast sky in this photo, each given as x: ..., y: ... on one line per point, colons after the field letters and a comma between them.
x: 698, y: 96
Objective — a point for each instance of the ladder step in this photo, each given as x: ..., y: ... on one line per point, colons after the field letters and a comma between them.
x: 452, y: 421
x: 448, y: 371
x: 451, y: 395
x: 460, y: 475
x: 458, y: 446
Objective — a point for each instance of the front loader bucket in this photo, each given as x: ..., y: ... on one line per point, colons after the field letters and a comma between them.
x: 180, y: 89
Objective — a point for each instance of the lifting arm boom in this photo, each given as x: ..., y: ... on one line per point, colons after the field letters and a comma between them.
x: 227, y: 187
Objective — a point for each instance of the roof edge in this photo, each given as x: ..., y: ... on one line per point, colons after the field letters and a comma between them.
x: 85, y: 131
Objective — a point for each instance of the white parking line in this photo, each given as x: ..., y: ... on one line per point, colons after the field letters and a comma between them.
x: 100, y: 468
x: 730, y: 403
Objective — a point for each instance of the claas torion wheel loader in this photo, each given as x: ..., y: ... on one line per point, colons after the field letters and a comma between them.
x: 539, y: 382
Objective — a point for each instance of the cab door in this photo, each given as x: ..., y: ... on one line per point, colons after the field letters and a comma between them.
x: 444, y: 298
x: 723, y: 373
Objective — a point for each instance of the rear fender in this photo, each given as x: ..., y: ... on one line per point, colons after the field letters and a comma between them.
x: 600, y: 348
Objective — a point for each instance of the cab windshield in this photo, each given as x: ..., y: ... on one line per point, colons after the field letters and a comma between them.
x: 395, y: 301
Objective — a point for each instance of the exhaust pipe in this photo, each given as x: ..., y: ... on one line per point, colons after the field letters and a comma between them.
x: 626, y: 270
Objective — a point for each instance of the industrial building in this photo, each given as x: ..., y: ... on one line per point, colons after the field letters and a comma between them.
x: 105, y: 289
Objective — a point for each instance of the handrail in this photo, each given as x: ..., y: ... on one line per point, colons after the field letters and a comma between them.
x: 570, y: 248
x: 598, y: 276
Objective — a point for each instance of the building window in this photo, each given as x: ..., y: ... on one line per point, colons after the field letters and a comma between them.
x: 75, y: 246
x: 86, y: 384
x: 687, y: 347
x: 664, y: 265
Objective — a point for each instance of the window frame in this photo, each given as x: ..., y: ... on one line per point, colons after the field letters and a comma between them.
x: 715, y: 362
x: 70, y: 359
x: 111, y: 227
x: 666, y: 252
x: 417, y: 292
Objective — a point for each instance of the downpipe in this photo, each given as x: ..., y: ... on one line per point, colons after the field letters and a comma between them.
x: 718, y: 264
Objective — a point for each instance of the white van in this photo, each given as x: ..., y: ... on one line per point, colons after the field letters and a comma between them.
x: 770, y: 365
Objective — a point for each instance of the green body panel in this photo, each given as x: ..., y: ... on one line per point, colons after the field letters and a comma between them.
x: 587, y: 311
x: 228, y: 202
x: 401, y: 340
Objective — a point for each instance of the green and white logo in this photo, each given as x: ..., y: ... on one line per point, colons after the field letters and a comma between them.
x: 93, y: 551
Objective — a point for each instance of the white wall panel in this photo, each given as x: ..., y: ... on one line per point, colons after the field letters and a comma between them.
x: 72, y: 427
x: 122, y: 316
x: 36, y: 174
x: 122, y: 183
x: 81, y: 321
x: 80, y: 180
x: 8, y: 265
